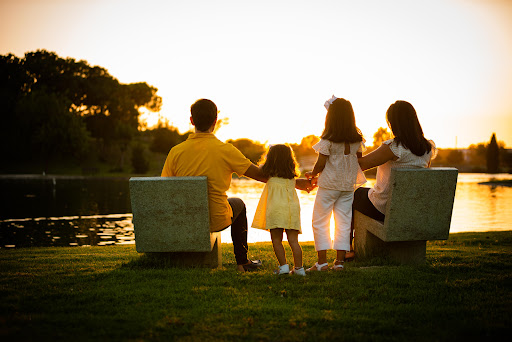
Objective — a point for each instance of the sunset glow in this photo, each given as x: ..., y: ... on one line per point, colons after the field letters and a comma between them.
x: 270, y: 65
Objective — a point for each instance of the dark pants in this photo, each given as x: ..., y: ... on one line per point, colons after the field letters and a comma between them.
x: 363, y: 204
x: 239, y: 230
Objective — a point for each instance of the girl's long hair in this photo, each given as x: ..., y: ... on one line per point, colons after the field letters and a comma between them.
x: 280, y: 162
x: 406, y: 128
x: 340, y: 123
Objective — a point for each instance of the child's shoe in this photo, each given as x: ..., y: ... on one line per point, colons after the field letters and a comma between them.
x: 285, y: 269
x: 318, y: 267
x: 298, y: 271
x: 338, y: 265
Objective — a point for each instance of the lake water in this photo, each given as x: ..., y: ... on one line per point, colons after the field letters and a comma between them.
x: 80, y: 211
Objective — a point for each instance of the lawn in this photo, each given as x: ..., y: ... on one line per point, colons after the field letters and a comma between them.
x: 463, y: 292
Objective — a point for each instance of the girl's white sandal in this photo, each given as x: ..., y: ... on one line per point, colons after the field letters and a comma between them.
x: 338, y: 267
x: 318, y: 267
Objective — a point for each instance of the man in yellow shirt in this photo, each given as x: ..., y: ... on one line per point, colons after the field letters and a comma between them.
x: 202, y: 154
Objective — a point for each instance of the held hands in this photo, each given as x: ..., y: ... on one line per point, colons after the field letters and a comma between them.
x: 304, y: 184
x: 312, y: 179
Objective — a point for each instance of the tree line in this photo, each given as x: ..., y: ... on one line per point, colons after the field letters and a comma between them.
x: 58, y: 109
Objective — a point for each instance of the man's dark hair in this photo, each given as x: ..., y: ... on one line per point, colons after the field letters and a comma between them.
x: 204, y: 114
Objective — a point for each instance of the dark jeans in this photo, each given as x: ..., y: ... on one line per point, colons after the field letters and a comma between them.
x: 363, y: 204
x: 239, y: 230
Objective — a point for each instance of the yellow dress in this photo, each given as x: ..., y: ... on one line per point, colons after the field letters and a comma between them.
x: 279, y: 206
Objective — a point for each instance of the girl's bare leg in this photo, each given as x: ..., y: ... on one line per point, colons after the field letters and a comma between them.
x: 340, y: 255
x: 277, y: 242
x: 322, y: 257
x: 293, y: 241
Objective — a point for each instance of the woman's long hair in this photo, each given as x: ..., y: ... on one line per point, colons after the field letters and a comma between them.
x: 280, y: 162
x: 406, y: 128
x: 340, y: 123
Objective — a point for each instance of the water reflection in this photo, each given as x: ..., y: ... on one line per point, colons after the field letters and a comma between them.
x: 67, y: 231
x: 91, y: 211
x: 481, y: 207
x: 58, y: 196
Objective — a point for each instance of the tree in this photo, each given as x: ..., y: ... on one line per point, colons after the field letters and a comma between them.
x: 493, y: 155
x: 455, y: 157
x: 48, y: 130
x: 305, y: 148
x: 380, y: 136
x: 165, y: 137
x: 140, y: 163
x: 60, y: 103
x: 253, y: 150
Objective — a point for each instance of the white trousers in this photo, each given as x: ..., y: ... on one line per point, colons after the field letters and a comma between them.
x: 328, y: 201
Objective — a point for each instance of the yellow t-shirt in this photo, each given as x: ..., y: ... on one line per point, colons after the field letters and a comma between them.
x: 202, y: 154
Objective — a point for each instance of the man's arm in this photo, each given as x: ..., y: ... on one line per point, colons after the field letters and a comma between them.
x: 254, y: 172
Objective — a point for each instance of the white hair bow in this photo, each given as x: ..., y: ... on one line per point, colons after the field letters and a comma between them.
x: 329, y: 102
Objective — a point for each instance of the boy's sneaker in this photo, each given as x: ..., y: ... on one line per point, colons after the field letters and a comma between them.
x: 299, y: 271
x: 285, y: 269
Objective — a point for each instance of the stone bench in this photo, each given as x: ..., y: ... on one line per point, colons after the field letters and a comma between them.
x: 420, y: 209
x: 171, y: 219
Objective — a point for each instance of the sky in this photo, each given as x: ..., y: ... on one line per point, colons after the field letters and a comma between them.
x: 270, y: 65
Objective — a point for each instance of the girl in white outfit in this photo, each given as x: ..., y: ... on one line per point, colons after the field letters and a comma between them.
x: 340, y: 145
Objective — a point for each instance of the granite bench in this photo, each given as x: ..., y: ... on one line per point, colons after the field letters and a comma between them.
x: 171, y: 219
x: 420, y: 209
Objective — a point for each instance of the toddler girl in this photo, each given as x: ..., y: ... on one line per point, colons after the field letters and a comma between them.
x: 340, y: 145
x: 279, y: 208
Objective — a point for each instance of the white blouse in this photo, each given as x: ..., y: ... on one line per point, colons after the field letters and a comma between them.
x: 379, y: 194
x: 342, y: 172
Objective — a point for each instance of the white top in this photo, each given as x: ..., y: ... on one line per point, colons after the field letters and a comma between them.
x: 380, y: 192
x: 342, y: 172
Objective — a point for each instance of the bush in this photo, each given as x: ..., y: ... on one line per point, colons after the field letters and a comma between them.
x: 140, y: 162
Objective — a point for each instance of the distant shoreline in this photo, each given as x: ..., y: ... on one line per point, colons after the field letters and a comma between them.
x: 504, y: 182
x: 51, y: 176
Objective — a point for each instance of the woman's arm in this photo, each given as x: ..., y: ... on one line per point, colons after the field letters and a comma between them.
x: 377, y: 157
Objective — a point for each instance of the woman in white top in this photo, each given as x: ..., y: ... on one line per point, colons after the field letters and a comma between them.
x: 408, y: 149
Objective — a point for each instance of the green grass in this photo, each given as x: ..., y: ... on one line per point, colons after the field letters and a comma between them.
x: 115, y: 294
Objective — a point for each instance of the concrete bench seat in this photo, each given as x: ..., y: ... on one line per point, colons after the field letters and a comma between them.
x: 419, y: 209
x: 171, y: 218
